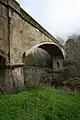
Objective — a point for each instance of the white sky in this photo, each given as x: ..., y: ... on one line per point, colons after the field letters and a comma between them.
x: 60, y: 17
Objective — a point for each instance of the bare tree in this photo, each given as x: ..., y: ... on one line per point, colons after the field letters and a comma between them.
x: 73, y: 47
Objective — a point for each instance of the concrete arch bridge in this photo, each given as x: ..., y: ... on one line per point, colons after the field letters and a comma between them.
x: 19, y: 35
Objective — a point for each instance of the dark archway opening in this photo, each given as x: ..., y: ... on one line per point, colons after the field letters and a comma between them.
x: 53, y: 50
x: 23, y: 57
x: 2, y: 71
x: 58, y: 65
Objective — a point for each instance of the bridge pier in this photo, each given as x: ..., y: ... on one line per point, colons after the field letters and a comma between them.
x: 14, y: 80
x: 57, y: 63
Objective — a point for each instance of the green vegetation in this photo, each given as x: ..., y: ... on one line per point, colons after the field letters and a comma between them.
x: 40, y: 104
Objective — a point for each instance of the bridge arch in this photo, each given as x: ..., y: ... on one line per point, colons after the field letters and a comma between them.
x: 52, y: 48
x: 57, y: 53
x: 36, y: 75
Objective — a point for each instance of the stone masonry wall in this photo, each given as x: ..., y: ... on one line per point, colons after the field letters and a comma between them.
x: 4, y: 48
x: 23, y: 37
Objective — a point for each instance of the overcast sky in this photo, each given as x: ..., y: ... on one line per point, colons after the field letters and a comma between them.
x: 60, y: 17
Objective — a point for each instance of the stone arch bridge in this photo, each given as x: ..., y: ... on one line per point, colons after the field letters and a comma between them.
x: 19, y: 35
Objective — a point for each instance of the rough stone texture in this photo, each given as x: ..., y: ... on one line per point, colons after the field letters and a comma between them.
x: 3, y: 44
x: 14, y: 80
x: 3, y: 32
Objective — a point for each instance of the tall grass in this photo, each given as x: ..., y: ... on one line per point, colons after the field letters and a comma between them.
x: 40, y: 104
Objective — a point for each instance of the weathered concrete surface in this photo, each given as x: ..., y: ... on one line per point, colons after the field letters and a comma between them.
x: 20, y: 35
x: 23, y: 38
x: 4, y: 48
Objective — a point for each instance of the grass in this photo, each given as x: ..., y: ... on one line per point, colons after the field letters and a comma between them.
x: 40, y: 104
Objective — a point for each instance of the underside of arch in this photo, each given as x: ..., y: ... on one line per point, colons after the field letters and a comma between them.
x: 50, y: 47
x: 53, y: 50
